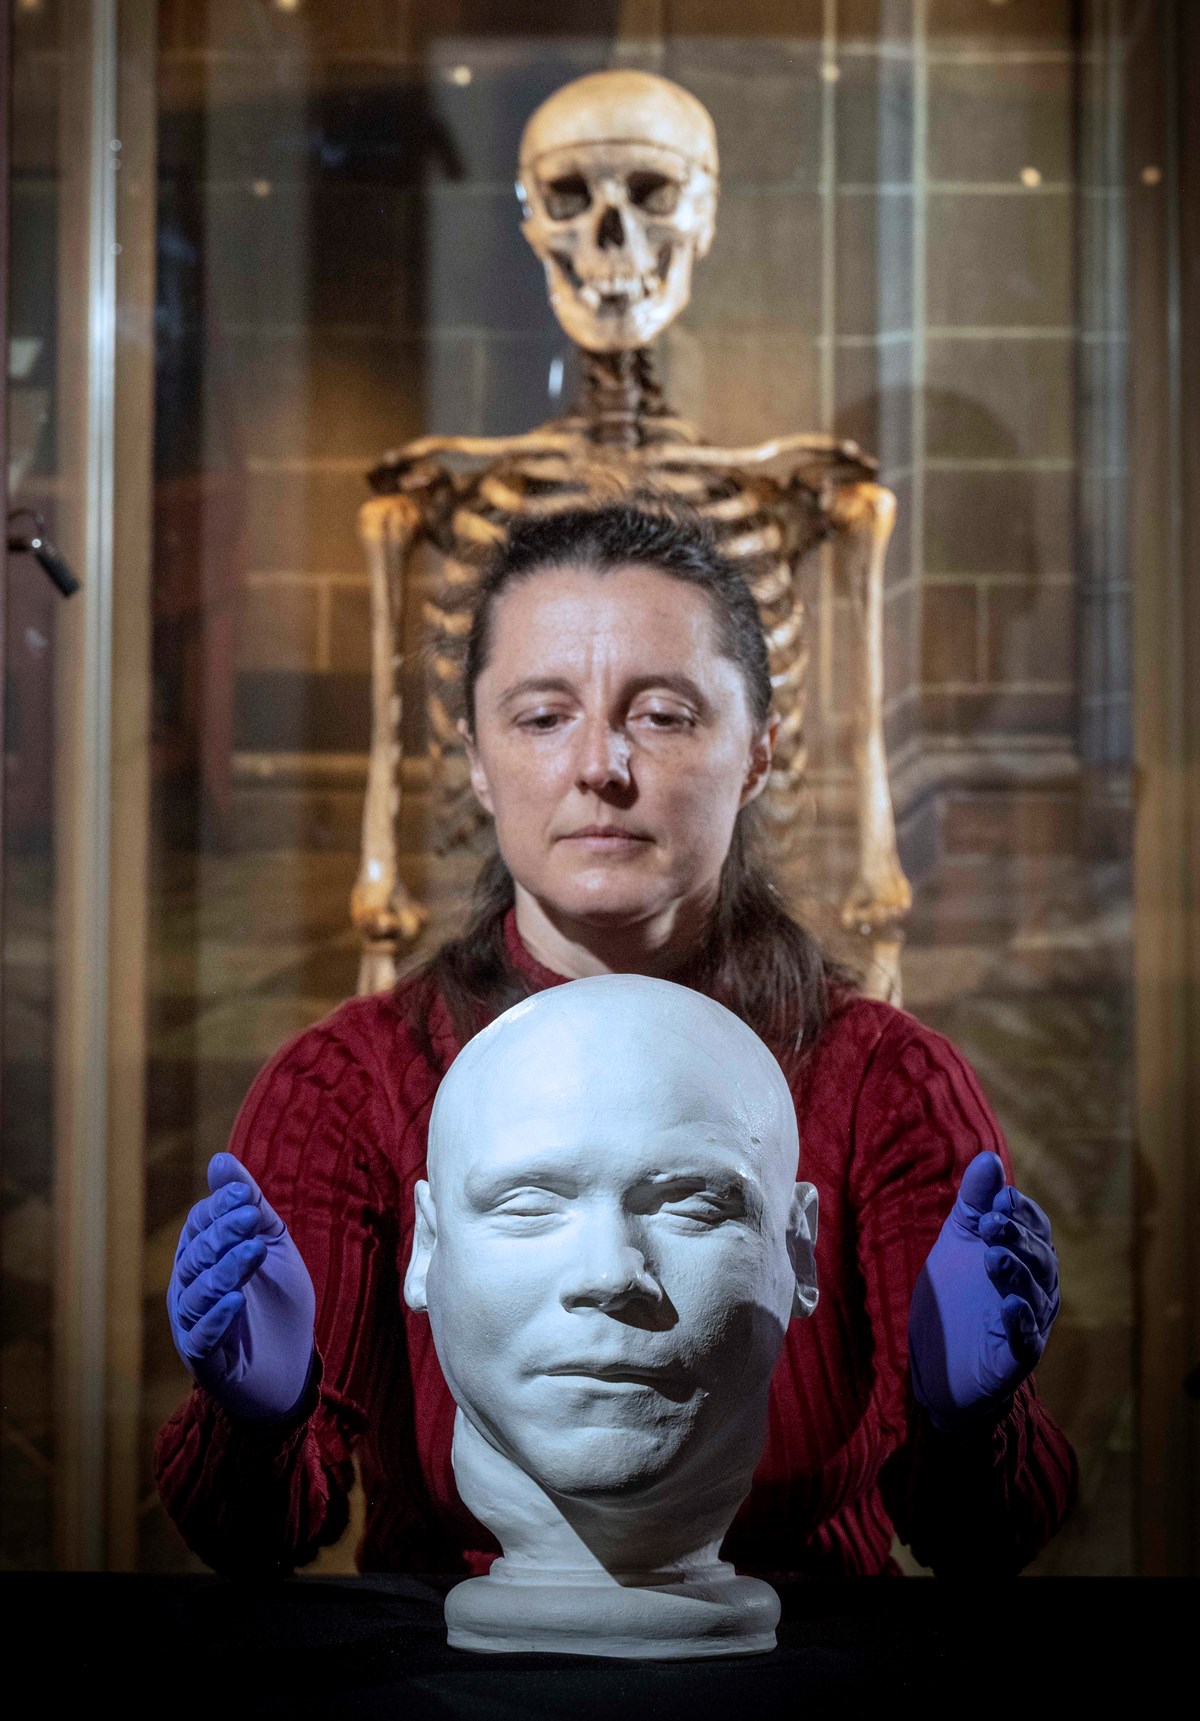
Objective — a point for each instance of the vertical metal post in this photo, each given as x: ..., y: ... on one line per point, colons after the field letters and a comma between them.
x: 130, y: 732
x: 1164, y: 240
x: 5, y: 170
x: 87, y: 331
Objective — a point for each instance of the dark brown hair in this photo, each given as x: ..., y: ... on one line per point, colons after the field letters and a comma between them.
x: 756, y: 959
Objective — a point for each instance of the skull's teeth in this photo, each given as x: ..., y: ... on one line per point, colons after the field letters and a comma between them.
x: 632, y: 288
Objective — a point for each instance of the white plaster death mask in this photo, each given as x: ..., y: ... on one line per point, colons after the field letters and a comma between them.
x: 618, y: 184
x: 610, y: 1245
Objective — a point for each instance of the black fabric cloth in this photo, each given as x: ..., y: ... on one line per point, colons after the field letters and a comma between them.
x: 353, y: 1648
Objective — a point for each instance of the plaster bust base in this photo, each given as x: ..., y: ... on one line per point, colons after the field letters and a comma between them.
x: 610, y: 1244
x: 715, y: 1612
x: 567, y: 1588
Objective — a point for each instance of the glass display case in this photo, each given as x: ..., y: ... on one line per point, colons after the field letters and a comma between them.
x: 254, y: 244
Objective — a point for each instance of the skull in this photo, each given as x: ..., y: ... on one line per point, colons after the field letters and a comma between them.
x: 618, y: 184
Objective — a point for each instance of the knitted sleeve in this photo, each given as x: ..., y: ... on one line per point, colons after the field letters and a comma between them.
x: 254, y: 1497
x: 988, y: 1501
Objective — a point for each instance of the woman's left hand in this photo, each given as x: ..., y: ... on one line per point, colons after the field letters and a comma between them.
x: 985, y: 1301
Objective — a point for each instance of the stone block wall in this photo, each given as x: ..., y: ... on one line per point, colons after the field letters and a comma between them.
x: 896, y: 259
x: 1000, y: 336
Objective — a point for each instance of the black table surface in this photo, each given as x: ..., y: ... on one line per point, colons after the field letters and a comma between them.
x: 375, y: 1646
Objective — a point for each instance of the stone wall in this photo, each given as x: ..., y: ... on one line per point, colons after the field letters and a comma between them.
x: 896, y: 258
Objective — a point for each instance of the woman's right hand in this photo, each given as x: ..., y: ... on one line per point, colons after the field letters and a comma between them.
x: 240, y: 1300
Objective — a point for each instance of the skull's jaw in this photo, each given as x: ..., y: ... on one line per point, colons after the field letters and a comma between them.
x: 622, y: 310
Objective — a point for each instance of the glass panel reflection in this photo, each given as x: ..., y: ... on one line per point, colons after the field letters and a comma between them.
x: 28, y: 950
x: 908, y: 252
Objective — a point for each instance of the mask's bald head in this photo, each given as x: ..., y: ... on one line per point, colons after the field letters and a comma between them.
x: 612, y: 1240
x: 619, y: 1048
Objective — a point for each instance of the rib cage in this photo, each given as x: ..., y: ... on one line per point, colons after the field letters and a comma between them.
x: 461, y: 494
x: 764, y: 523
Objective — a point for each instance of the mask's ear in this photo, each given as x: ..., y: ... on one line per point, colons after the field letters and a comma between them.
x: 424, y: 1238
x: 801, y: 1246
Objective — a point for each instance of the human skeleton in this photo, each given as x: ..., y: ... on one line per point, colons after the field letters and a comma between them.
x: 618, y: 184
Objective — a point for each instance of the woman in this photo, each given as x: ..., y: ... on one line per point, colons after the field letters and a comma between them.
x: 619, y: 730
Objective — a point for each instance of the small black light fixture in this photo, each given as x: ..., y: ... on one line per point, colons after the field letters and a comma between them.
x: 35, y: 543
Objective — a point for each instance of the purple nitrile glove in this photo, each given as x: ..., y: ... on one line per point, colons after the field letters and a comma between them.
x: 985, y: 1301
x: 240, y: 1300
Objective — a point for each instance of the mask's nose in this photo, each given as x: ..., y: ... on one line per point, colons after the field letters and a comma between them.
x: 611, y: 231
x: 608, y: 1271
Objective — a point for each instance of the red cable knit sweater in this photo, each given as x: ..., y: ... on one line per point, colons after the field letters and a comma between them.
x: 334, y: 1129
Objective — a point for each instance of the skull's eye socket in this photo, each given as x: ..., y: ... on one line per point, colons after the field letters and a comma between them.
x: 654, y: 193
x: 566, y: 197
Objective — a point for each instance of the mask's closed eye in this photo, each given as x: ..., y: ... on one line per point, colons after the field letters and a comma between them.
x: 692, y: 1199
x: 528, y: 1202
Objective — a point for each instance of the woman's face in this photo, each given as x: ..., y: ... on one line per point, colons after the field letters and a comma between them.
x: 613, y: 744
